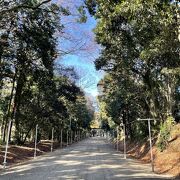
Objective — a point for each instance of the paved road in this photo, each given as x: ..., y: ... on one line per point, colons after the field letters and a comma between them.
x: 90, y: 159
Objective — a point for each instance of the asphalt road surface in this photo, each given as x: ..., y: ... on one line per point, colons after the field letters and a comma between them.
x: 90, y: 159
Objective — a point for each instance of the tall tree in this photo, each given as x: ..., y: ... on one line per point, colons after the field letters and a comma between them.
x: 140, y: 51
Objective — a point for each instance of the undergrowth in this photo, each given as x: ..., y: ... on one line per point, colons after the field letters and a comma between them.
x: 165, y: 131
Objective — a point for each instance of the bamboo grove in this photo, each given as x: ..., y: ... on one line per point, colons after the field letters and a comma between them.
x: 32, y: 90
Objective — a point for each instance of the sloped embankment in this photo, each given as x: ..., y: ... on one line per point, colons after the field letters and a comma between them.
x: 18, y: 154
x: 167, y: 162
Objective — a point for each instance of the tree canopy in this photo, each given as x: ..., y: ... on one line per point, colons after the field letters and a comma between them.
x: 140, y: 55
x: 32, y: 91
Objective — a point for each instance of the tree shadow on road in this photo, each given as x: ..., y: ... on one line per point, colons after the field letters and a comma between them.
x: 88, y: 160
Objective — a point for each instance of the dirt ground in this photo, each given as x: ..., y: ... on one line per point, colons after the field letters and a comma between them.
x: 90, y: 159
x: 19, y: 154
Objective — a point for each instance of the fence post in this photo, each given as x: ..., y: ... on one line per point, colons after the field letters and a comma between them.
x: 117, y: 139
x: 7, y: 143
x: 150, y: 139
x: 35, y: 141
x: 52, y: 139
x: 124, y: 129
x: 150, y: 142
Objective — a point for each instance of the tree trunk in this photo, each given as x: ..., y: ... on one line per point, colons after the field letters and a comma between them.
x: 4, y: 131
x: 152, y: 101
x: 31, y: 127
x: 9, y: 109
x: 17, y: 101
x: 2, y: 127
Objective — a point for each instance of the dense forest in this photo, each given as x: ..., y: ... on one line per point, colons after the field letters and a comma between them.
x: 140, y: 55
x: 33, y: 88
x: 100, y: 75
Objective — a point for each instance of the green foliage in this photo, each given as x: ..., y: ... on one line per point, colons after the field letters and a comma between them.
x: 165, y: 130
x: 36, y: 94
x: 140, y: 55
x: 82, y: 14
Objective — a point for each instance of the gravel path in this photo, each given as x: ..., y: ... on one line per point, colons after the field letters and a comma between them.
x: 90, y: 159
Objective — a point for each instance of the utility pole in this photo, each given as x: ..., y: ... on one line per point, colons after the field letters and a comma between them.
x: 150, y: 140
x: 7, y: 143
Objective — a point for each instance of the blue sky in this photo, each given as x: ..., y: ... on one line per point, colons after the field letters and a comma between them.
x: 79, y: 41
x: 86, y: 71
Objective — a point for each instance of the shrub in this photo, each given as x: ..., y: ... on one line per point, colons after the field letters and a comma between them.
x: 164, y: 135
